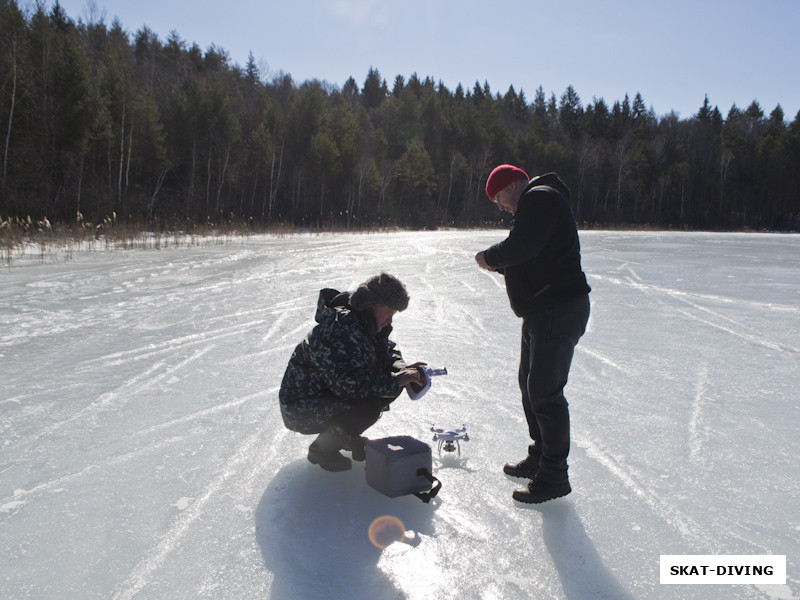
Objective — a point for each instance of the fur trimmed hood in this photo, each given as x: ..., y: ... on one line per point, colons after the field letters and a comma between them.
x: 381, y: 289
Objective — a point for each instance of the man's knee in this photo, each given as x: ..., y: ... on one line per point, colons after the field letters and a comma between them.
x: 549, y: 403
x: 356, y: 419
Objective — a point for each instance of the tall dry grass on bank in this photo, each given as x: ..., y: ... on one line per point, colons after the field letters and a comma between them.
x: 46, y: 242
x: 43, y: 241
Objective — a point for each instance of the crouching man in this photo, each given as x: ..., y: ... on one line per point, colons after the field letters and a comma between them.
x: 347, y: 371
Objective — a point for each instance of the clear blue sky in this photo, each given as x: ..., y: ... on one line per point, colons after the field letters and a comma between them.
x: 673, y: 53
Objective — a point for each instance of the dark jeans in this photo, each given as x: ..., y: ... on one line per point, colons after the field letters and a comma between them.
x: 548, y: 345
x: 357, y: 419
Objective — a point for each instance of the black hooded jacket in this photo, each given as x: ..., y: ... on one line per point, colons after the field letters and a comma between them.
x: 541, y: 257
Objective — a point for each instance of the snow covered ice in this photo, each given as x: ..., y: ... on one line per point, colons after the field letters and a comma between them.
x: 143, y: 455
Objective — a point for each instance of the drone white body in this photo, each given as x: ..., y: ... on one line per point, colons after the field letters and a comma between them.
x: 450, y: 439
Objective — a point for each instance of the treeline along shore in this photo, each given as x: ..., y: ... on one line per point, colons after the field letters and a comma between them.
x: 103, y: 126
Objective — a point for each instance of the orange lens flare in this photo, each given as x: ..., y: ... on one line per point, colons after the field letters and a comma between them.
x: 386, y: 530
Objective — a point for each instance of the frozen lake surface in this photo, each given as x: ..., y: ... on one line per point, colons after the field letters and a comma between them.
x: 142, y: 453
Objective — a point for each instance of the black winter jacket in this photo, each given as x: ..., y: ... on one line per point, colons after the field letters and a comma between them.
x: 541, y: 257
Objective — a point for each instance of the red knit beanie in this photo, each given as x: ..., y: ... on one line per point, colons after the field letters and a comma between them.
x: 501, y: 177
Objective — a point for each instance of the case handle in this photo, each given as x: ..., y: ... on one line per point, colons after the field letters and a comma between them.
x: 437, y: 485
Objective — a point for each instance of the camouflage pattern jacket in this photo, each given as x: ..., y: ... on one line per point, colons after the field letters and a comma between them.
x: 342, y: 362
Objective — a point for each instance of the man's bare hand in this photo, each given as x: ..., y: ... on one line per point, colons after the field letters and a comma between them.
x: 409, y: 374
x: 480, y: 258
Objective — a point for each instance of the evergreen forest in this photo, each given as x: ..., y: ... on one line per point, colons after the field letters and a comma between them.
x: 98, y: 124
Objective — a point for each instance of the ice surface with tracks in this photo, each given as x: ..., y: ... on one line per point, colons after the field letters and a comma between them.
x: 142, y: 454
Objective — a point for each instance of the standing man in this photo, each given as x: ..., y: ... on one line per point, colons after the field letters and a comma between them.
x: 546, y: 286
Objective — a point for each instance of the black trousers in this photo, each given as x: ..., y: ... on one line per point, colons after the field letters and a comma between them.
x: 548, y: 345
x: 357, y: 419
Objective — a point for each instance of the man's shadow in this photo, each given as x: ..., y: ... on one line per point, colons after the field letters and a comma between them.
x: 580, y: 568
x: 313, y: 530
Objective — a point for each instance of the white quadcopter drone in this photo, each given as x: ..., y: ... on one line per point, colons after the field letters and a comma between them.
x: 450, y: 440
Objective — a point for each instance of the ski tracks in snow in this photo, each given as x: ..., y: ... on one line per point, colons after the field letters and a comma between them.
x: 697, y: 433
x: 687, y: 527
x: 689, y: 305
x: 247, y: 463
x: 142, y: 443
x: 694, y: 533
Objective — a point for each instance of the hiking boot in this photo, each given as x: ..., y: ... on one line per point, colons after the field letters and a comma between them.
x: 330, y: 461
x: 526, y: 468
x: 351, y: 443
x: 359, y: 448
x: 539, y: 491
x: 324, y: 451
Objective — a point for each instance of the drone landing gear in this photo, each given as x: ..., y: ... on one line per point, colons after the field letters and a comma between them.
x: 448, y: 446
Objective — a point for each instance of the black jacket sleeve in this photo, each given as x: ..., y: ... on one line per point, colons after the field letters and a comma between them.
x: 531, y: 230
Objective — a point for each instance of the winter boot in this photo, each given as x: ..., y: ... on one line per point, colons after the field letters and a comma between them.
x: 526, y: 468
x: 359, y: 448
x: 351, y: 443
x: 539, y: 491
x: 324, y: 451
